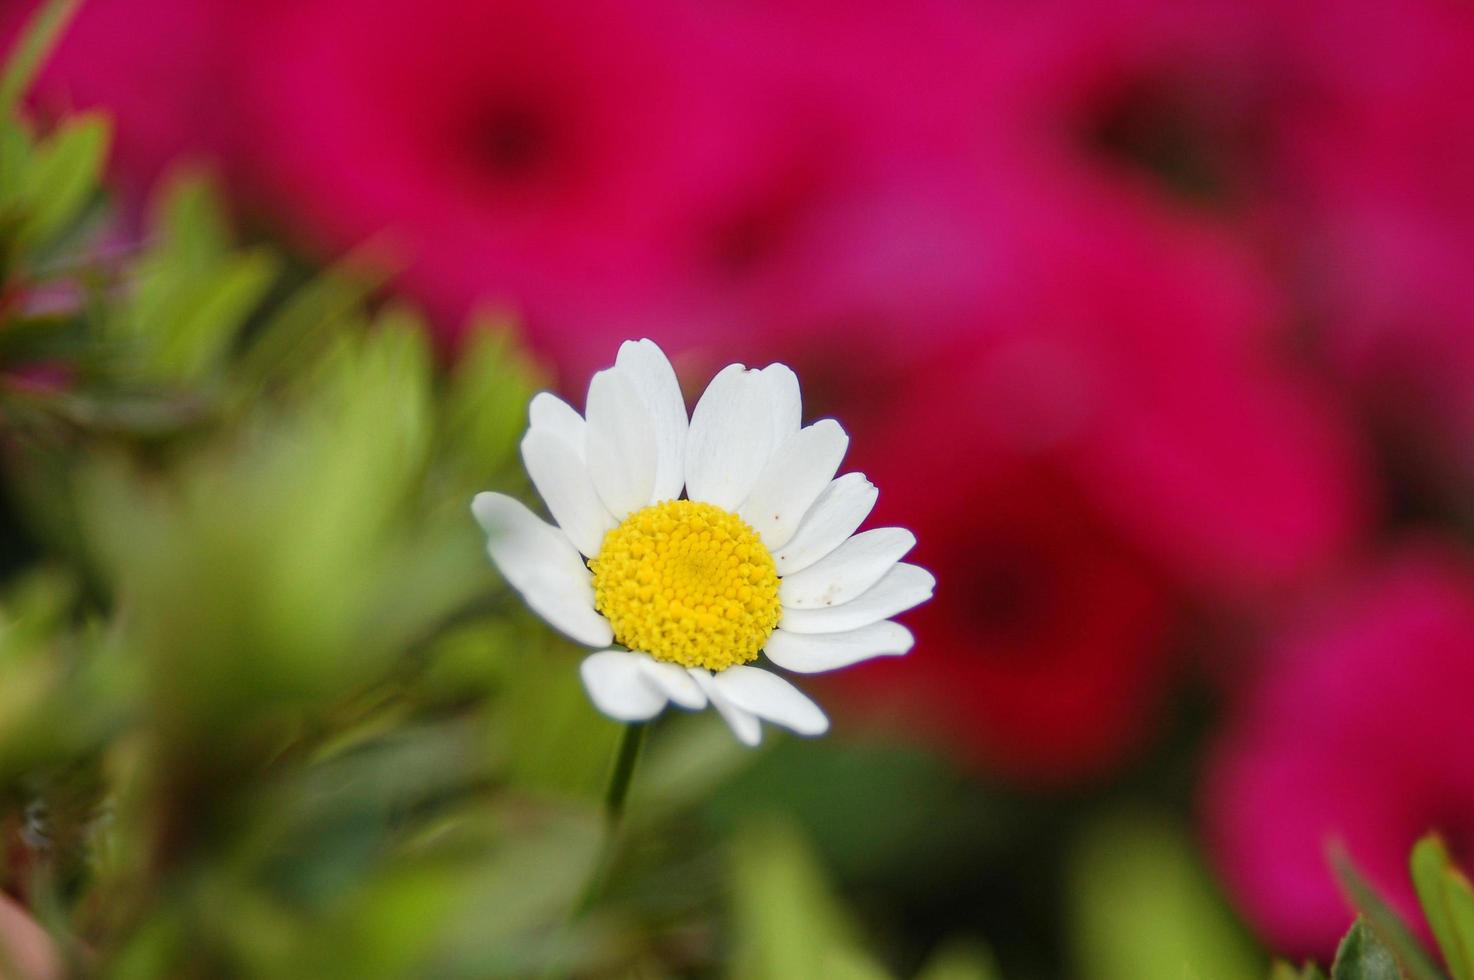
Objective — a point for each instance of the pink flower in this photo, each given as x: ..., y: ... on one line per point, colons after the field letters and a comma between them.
x: 1141, y: 352
x: 1048, y: 648
x: 538, y: 156
x: 1336, y: 134
x: 1358, y: 733
x: 1102, y: 433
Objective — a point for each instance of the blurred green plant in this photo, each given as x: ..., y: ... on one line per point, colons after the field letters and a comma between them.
x: 267, y: 710
x: 1143, y: 906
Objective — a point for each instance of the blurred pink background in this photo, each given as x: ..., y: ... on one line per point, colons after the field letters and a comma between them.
x: 1155, y: 319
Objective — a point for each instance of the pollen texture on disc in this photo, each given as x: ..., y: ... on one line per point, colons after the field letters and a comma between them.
x: 687, y: 583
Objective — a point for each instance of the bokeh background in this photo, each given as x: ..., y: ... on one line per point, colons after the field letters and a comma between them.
x: 1154, y: 319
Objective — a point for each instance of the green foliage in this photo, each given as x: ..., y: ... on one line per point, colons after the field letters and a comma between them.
x: 1381, y: 945
x: 58, y: 178
x: 1448, y: 902
x: 193, y: 292
x: 1363, y: 956
x: 267, y: 709
x: 1144, y: 907
x: 1390, y: 931
x: 1284, y: 971
x: 787, y: 922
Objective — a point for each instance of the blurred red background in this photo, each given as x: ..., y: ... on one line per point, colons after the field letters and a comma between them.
x: 1155, y: 320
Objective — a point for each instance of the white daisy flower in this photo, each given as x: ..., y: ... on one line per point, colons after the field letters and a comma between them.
x: 680, y: 593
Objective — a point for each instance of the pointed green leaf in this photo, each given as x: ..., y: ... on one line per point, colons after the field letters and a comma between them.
x: 193, y: 292
x: 1437, y: 882
x: 1145, y: 908
x: 787, y: 923
x: 301, y: 327
x: 485, y: 409
x: 62, y: 177
x: 35, y: 44
x: 196, y: 342
x: 1362, y: 956
x: 1390, y: 930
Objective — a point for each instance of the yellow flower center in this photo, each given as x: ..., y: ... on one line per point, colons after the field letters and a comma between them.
x: 688, y: 583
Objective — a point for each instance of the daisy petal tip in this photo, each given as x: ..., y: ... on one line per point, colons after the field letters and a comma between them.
x: 498, y: 513
x: 618, y: 688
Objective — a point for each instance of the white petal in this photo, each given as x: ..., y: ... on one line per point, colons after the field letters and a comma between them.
x: 769, y: 696
x: 563, y: 482
x: 840, y: 509
x: 846, y: 571
x: 620, y: 444
x: 654, y: 379
x: 731, y: 437
x: 553, y: 414
x: 899, y: 589
x: 743, y: 723
x: 813, y: 653
x: 793, y: 479
x: 619, y: 687
x: 673, y: 682
x: 788, y: 409
x: 538, y: 561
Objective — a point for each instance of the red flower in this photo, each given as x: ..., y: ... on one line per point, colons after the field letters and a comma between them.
x: 541, y: 156
x: 1359, y: 733
x: 1103, y: 437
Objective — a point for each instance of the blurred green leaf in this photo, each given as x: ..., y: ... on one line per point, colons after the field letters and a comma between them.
x: 785, y: 921
x: 1363, y: 956
x: 485, y: 406
x: 1391, y: 932
x: 297, y: 332
x: 1284, y: 971
x: 961, y: 961
x: 1448, y: 902
x: 62, y: 177
x: 193, y: 292
x: 1144, y: 908
x: 551, y: 739
x: 691, y: 757
x: 15, y: 163
x: 31, y: 49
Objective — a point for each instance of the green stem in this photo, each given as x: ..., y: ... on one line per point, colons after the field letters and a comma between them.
x: 622, y: 774
x: 620, y: 778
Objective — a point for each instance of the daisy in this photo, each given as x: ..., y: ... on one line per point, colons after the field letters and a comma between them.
x: 682, y: 551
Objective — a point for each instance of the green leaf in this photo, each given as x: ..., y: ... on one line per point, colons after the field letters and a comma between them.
x: 1144, y: 907
x: 485, y: 411
x: 1390, y: 930
x: 34, y: 46
x: 1448, y: 903
x: 960, y: 961
x: 15, y: 161
x: 302, y: 327
x: 194, y: 293
x: 62, y: 177
x: 786, y: 921
x: 1284, y: 971
x: 197, y: 341
x: 1362, y: 956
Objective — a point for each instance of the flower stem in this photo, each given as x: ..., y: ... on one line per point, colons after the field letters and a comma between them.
x: 622, y: 774
x: 620, y: 778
